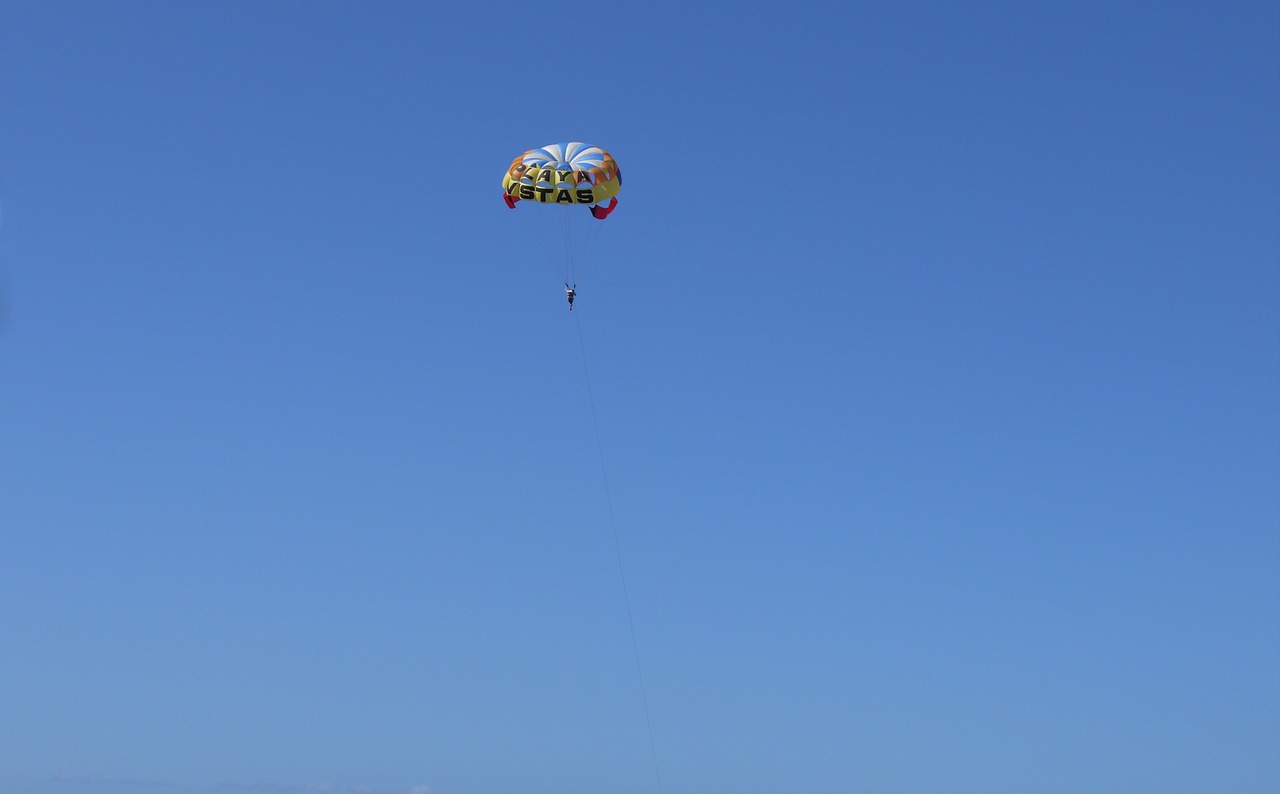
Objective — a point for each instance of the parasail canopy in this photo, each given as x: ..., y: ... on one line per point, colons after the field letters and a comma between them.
x: 566, y: 174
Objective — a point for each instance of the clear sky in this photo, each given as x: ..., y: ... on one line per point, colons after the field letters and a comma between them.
x: 935, y: 355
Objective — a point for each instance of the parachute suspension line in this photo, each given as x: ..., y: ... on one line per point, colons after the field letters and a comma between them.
x: 569, y: 263
x: 568, y: 249
x: 622, y: 571
x: 540, y: 235
x: 586, y: 251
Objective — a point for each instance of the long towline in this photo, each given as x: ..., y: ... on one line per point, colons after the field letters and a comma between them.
x: 622, y: 572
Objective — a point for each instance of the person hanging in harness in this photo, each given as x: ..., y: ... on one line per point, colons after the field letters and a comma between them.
x: 570, y: 293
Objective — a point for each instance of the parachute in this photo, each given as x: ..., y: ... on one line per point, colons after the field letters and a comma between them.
x: 557, y: 183
x: 549, y: 188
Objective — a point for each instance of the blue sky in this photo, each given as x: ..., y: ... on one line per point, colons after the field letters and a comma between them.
x: 934, y: 349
